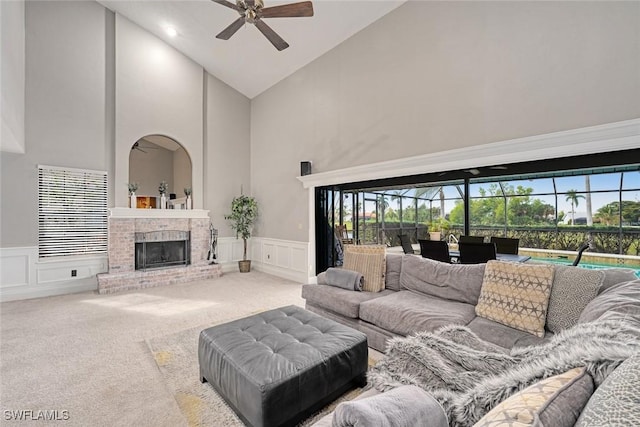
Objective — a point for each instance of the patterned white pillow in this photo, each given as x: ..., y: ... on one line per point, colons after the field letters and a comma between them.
x: 516, y: 295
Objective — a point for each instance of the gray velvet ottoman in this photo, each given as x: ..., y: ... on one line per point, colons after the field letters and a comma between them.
x: 278, y: 367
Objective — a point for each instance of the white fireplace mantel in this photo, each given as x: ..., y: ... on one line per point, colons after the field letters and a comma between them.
x: 157, y: 213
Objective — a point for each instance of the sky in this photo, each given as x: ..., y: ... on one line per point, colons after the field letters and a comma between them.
x: 604, y: 189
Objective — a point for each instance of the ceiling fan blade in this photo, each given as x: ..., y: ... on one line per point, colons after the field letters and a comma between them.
x: 231, y: 29
x: 293, y: 10
x: 228, y: 4
x: 271, y: 35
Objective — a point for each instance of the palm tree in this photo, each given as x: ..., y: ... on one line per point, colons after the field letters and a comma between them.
x: 587, y: 188
x: 573, y: 197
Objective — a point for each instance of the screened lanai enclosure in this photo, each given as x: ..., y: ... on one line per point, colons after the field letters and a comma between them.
x: 540, y: 203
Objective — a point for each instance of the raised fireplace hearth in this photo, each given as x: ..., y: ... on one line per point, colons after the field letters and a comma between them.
x: 157, y: 247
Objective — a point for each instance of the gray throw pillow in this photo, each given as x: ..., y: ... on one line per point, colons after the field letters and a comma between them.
x: 573, y: 288
x: 617, y: 401
x: 613, y: 276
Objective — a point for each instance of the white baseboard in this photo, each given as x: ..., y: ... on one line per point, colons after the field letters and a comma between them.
x: 23, y: 275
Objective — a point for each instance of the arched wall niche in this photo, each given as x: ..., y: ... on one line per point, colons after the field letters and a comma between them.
x: 157, y: 158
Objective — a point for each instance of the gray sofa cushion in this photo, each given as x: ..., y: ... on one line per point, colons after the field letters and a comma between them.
x: 613, y: 276
x: 341, y: 301
x: 503, y: 335
x: 405, y: 406
x: 392, y: 275
x: 621, y: 300
x: 406, y: 312
x: 573, y: 288
x: 455, y: 282
x: 617, y: 401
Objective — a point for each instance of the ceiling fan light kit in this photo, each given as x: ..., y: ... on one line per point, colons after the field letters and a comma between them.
x: 253, y: 12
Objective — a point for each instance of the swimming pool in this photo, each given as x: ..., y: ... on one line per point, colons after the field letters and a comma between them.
x: 589, y: 265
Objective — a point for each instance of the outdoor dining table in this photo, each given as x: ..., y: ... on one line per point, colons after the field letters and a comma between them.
x: 454, y: 254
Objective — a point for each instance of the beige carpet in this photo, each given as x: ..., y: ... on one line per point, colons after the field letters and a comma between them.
x: 87, y: 353
x: 177, y: 358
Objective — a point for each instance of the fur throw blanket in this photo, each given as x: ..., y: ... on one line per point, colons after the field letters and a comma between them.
x: 469, y: 376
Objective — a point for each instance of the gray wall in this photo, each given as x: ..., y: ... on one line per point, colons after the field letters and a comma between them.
x: 149, y: 168
x: 159, y: 91
x: 227, y: 139
x: 12, y: 76
x: 96, y: 83
x: 64, y: 108
x: 181, y: 172
x: 434, y: 76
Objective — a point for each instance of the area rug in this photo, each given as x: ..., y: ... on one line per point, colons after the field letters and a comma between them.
x: 176, y: 356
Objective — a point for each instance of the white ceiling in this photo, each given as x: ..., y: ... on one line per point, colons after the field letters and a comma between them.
x: 247, y: 61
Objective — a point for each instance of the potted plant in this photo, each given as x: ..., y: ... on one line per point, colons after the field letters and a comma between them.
x: 133, y: 187
x: 187, y: 193
x: 162, y: 189
x: 244, y: 212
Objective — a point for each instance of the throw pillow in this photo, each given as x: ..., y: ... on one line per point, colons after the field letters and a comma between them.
x: 573, y: 288
x: 553, y: 402
x: 516, y: 295
x: 617, y: 401
x: 368, y: 261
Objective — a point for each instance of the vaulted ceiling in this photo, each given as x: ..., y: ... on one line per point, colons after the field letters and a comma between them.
x: 247, y: 61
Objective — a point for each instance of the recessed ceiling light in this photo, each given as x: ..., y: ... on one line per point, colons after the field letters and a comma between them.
x: 171, y: 32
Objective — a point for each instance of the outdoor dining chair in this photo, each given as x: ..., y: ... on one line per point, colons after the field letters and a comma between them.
x: 505, y: 245
x: 437, y: 250
x: 471, y: 239
x: 405, y: 241
x: 476, y: 253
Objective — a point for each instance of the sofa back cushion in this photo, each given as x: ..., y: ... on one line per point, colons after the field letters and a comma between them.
x: 619, y: 301
x: 392, y: 275
x: 367, y: 260
x: 516, y: 295
x: 613, y: 276
x: 573, y: 288
x: 455, y: 282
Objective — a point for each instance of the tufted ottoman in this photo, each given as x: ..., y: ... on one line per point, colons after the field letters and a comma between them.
x: 278, y: 367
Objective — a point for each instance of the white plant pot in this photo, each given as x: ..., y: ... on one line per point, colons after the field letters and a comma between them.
x: 163, y: 201
x: 188, y: 202
x: 133, y: 201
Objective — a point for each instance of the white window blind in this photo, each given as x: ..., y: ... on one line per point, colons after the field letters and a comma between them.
x: 72, y: 212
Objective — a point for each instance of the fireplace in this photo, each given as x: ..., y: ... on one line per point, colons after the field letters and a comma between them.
x: 158, y: 249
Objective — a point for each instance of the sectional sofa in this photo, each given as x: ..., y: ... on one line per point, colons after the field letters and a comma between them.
x: 425, y: 295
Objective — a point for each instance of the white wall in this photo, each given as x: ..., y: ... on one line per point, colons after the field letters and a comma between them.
x: 159, y: 91
x: 12, y: 63
x: 434, y: 76
x: 227, y: 140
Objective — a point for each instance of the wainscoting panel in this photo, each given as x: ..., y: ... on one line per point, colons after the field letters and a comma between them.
x: 15, y: 266
x: 23, y: 275
x: 282, y: 258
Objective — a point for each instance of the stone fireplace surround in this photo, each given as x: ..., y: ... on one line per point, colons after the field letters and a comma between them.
x: 125, y: 222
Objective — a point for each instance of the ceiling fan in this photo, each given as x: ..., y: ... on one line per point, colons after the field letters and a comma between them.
x: 136, y: 146
x: 253, y: 12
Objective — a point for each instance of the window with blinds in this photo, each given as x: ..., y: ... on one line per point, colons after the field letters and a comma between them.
x: 72, y: 212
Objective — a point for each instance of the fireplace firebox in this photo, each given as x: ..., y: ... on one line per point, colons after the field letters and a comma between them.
x: 160, y: 249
